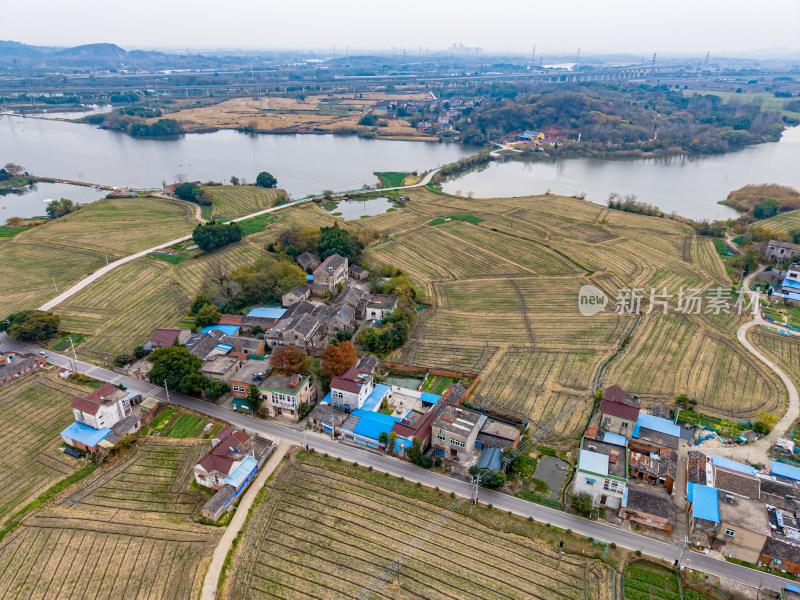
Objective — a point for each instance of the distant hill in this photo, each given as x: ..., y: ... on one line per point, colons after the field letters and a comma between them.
x: 100, y: 54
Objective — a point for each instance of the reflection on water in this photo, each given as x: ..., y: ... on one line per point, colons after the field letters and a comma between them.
x: 29, y: 201
x: 689, y: 185
x: 355, y: 209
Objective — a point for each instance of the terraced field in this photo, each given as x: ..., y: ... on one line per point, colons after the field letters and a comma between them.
x: 231, y: 201
x: 124, y: 534
x: 782, y: 223
x: 324, y: 529
x: 784, y: 350
x: 505, y: 291
x: 33, y: 412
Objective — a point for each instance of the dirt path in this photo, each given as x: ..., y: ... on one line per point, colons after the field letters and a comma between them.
x: 221, y: 551
x: 198, y: 210
x: 759, y: 451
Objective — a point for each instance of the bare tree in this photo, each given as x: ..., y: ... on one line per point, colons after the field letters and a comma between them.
x: 14, y: 169
x: 180, y: 178
x: 217, y: 272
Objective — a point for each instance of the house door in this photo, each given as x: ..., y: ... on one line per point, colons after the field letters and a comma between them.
x: 603, y: 499
x: 453, y: 452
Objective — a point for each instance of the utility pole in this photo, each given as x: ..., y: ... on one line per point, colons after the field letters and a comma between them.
x: 54, y: 283
x: 106, y: 255
x: 166, y: 388
x: 74, y: 356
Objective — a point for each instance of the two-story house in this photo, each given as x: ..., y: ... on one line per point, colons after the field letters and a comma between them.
x: 331, y: 272
x: 454, y: 431
x: 379, y: 306
x: 282, y: 394
x: 350, y: 390
x: 104, y: 407
x: 618, y: 411
x: 229, y: 449
x: 602, y: 473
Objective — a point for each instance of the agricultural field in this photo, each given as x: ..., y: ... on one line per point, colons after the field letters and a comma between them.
x: 645, y: 581
x: 782, y: 223
x: 361, y: 519
x: 125, y: 533
x: 783, y: 349
x: 725, y: 379
x: 231, y: 201
x: 504, y: 287
x: 33, y: 411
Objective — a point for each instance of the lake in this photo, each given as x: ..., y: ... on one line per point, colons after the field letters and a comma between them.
x: 31, y: 202
x: 355, y: 209
x: 690, y: 186
x: 303, y: 164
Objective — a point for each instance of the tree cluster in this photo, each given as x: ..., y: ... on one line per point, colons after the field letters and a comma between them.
x: 31, y: 326
x: 629, y: 203
x: 161, y: 128
x: 289, y: 360
x: 334, y: 240
x: 263, y: 281
x: 191, y: 192
x: 213, y: 235
x: 59, y: 208
x: 266, y: 180
x: 180, y: 369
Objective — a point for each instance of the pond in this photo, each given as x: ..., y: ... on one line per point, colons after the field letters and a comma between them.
x: 692, y: 186
x: 410, y: 383
x: 31, y: 201
x: 349, y: 210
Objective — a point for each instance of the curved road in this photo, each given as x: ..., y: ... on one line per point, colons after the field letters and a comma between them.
x: 384, y: 463
x: 86, y: 281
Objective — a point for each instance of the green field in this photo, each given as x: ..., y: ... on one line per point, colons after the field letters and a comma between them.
x: 392, y: 178
x: 768, y: 100
x: 6, y: 231
x: 782, y: 223
x: 230, y: 201
x: 645, y: 581
x: 185, y: 426
x: 257, y: 224
x: 466, y: 218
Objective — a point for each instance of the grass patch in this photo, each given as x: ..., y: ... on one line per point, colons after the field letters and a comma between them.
x: 64, y: 343
x: 185, y: 426
x: 87, y: 381
x: 257, y: 224
x: 162, y: 419
x: 721, y: 248
x: 437, y: 384
x: 172, y: 259
x: 392, y: 178
x: 467, y: 218
x: 212, y: 433
x: 6, y: 231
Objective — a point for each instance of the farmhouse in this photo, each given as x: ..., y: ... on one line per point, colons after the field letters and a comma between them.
x: 162, y: 338
x: 331, y: 272
x: 365, y: 427
x: 661, y: 433
x: 220, y: 368
x: 282, y: 395
x: 358, y: 273
x: 308, y: 262
x: 242, y: 347
x: 351, y: 296
x: 350, y: 390
x: 267, y: 316
x: 84, y: 437
x: 659, y: 467
x: 781, y: 250
x: 14, y: 367
x: 229, y: 449
x: 379, y: 306
x: 602, y: 473
x: 251, y: 372
x: 305, y: 332
x: 495, y: 434
x: 203, y: 345
x: 104, y: 407
x: 648, y: 506
x: 454, y: 432
x: 296, y: 294
x: 618, y: 411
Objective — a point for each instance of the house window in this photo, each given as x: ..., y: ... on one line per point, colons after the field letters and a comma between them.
x: 238, y: 388
x: 590, y: 481
x: 624, y: 425
x: 457, y: 443
x: 440, y: 437
x: 730, y: 532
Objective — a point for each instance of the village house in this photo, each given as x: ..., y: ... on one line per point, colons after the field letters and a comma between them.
x: 229, y: 449
x: 264, y: 316
x: 602, y: 473
x: 351, y: 296
x: 350, y: 390
x: 305, y: 331
x: 454, y: 432
x: 331, y: 272
x: 104, y: 407
x: 358, y: 273
x: 618, y: 411
x: 14, y: 367
x: 204, y: 345
x: 648, y: 506
x: 242, y: 347
x: 164, y: 337
x: 379, y: 306
x: 308, y: 262
x: 296, y: 294
x: 495, y: 434
x: 282, y: 395
x: 251, y: 372
x: 654, y: 466
x: 220, y: 368
x: 655, y: 431
x: 781, y: 250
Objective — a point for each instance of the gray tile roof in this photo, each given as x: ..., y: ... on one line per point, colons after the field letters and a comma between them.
x: 218, y: 500
x: 651, y: 501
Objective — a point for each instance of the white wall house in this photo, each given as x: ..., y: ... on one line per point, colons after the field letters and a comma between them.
x: 602, y: 473
x: 104, y: 407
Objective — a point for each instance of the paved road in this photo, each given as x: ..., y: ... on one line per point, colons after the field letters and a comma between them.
x: 88, y: 280
x: 384, y: 463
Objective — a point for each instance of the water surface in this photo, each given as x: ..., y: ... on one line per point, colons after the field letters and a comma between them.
x: 32, y: 201
x: 355, y: 209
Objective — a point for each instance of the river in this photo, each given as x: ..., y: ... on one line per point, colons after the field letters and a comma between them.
x: 689, y: 185
x: 303, y: 164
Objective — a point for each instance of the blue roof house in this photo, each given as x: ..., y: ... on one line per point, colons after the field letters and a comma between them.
x: 84, y: 437
x: 365, y: 427
x: 658, y: 431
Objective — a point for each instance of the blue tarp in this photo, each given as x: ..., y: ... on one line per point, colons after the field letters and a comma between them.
x: 267, y: 312
x: 430, y: 398
x: 615, y: 438
x: 241, y: 472
x: 327, y: 398
x: 727, y: 463
x: 373, y: 401
x: 226, y: 329
x: 309, y: 278
x: 85, y: 434
x: 658, y: 424
x: 491, y: 458
x: 705, y: 503
x: 783, y: 470
x: 792, y: 588
x: 372, y: 424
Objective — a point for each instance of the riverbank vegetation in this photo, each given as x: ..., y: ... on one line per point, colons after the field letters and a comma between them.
x: 746, y: 198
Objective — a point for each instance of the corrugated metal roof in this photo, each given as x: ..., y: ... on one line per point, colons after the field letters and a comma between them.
x: 491, y: 458
x: 615, y: 438
x: 267, y: 312
x: 721, y: 461
x: 658, y: 424
x: 85, y: 434
x: 240, y: 473
x: 430, y: 398
x: 705, y: 503
x: 371, y: 424
x: 226, y: 329
x: 373, y: 401
x: 783, y: 470
x: 593, y: 462
x: 625, y: 497
x: 790, y: 283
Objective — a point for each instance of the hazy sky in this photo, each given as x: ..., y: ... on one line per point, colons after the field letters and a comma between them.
x: 638, y: 26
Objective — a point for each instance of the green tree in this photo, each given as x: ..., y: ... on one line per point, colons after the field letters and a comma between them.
x: 264, y: 280
x: 253, y: 397
x: 139, y: 352
x: 392, y: 439
x: 334, y: 240
x: 59, y: 208
x: 766, y: 209
x: 199, y: 302
x: 208, y: 315
x: 214, y: 389
x: 303, y: 410
x: 266, y: 180
x: 33, y: 326
x: 383, y: 438
x: 172, y: 364
x: 190, y: 192
x: 581, y: 503
x: 213, y: 235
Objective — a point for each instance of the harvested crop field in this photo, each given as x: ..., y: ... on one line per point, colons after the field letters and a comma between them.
x: 504, y: 287
x: 360, y: 520
x: 102, y: 543
x: 33, y: 412
x: 230, y: 201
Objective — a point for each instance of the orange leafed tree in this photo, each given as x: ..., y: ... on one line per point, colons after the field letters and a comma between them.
x: 289, y: 360
x: 337, y: 358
